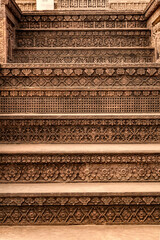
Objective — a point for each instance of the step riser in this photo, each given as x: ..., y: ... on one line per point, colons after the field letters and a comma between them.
x: 80, y: 77
x: 80, y: 131
x: 79, y: 101
x: 83, y: 56
x: 69, y: 210
x: 83, y: 21
x: 23, y: 168
x: 88, y: 38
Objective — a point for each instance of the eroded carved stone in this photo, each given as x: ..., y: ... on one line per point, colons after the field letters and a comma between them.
x: 32, y: 210
x: 80, y: 131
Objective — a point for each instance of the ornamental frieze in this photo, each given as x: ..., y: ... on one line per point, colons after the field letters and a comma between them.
x: 89, y: 38
x: 80, y: 158
x: 83, y: 21
x: 79, y: 215
x: 90, y: 172
x: 73, y: 131
x: 82, y: 56
x: 13, y: 70
x: 38, y: 101
x: 77, y: 199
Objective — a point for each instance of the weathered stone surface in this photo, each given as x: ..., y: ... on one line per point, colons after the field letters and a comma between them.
x: 139, y: 5
x: 83, y: 163
x: 81, y: 101
x: 72, y: 78
x: 86, y: 129
x: 85, y: 204
x: 83, y: 38
x: 81, y: 232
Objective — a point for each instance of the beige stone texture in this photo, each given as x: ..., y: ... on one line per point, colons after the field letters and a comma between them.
x: 45, y: 5
x: 136, y: 5
x: 2, y: 35
x: 80, y: 233
x: 61, y: 188
x: 78, y: 148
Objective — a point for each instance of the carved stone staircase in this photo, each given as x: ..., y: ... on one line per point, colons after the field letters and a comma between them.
x: 80, y: 121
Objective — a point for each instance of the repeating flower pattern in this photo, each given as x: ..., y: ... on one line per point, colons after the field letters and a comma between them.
x: 79, y: 172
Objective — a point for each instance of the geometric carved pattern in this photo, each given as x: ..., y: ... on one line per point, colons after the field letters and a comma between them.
x: 79, y: 172
x: 89, y: 38
x: 79, y: 105
x: 90, y: 81
x: 79, y: 101
x: 78, y: 55
x: 95, y: 4
x: 80, y: 130
x: 85, y: 158
x: 14, y: 76
x: 88, y: 45
x: 87, y: 199
x: 77, y: 19
x: 88, y: 209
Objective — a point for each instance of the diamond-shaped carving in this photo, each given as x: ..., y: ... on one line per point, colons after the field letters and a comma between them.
x: 47, y: 215
x: 16, y: 215
x: 63, y: 215
x: 78, y: 215
x: 156, y: 214
x: 110, y: 214
x: 31, y: 215
x: 141, y: 214
x: 94, y: 214
x: 69, y: 81
x: 14, y: 81
x: 126, y: 214
x: 82, y: 81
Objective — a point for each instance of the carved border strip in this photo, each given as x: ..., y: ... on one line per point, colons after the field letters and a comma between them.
x: 118, y: 82
x: 90, y: 38
x: 40, y: 70
x: 90, y: 172
x: 90, y: 214
x: 82, y: 16
x: 108, y: 199
x: 79, y: 93
x: 80, y: 131
x: 72, y: 56
x: 85, y: 158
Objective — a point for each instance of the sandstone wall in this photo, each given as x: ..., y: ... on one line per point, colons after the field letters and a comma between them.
x: 30, y: 5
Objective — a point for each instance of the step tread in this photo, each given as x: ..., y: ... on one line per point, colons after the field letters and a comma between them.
x: 79, y: 65
x: 83, y: 12
x: 79, y: 188
x: 73, y: 232
x: 82, y: 116
x: 78, y: 148
x: 84, y: 48
x: 82, y: 29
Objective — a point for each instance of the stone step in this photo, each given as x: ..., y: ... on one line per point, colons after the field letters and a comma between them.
x: 93, y: 232
x: 84, y: 55
x: 79, y: 203
x: 86, y: 128
x: 54, y: 76
x: 82, y: 19
x: 79, y: 163
x: 83, y: 38
x: 79, y: 101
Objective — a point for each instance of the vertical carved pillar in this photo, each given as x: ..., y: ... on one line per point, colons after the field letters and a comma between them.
x: 152, y: 13
x: 156, y: 37
x: 3, y: 47
x: 9, y: 17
